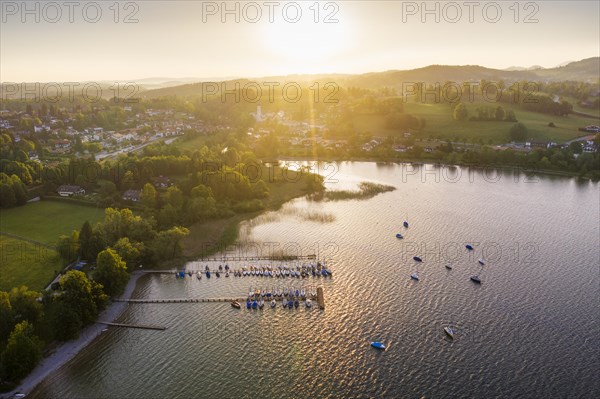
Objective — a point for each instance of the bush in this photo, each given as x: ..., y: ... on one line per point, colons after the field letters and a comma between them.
x: 518, y: 132
x: 248, y: 206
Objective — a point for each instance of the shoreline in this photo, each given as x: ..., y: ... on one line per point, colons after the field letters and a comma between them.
x: 521, y: 168
x: 68, y: 350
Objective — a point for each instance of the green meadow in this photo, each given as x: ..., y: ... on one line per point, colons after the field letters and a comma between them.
x: 440, y: 124
x: 25, y: 263
x: 46, y: 221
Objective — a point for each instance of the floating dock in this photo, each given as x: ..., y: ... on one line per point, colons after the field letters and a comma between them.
x: 144, y: 327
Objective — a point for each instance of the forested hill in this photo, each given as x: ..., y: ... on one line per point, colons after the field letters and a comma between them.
x: 587, y: 70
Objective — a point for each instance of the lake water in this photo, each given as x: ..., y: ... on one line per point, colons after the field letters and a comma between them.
x: 529, y: 330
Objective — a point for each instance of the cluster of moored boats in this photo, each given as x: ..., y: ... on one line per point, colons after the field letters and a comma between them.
x: 290, y: 298
x: 417, y: 259
x: 300, y: 271
x: 450, y: 331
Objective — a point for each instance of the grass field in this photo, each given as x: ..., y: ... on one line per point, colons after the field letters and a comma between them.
x: 24, y: 263
x: 440, y: 124
x: 590, y: 111
x: 45, y: 221
x: 193, y: 144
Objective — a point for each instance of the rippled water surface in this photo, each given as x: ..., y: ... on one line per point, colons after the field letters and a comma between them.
x: 529, y: 330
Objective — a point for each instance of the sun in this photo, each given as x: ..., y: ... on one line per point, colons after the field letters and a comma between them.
x: 309, y: 45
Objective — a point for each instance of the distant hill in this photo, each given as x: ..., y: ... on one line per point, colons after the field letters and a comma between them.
x: 587, y: 70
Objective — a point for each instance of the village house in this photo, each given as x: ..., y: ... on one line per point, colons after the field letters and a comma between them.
x: 161, y: 182
x: 41, y: 128
x: 132, y: 195
x: 62, y: 144
x: 68, y: 191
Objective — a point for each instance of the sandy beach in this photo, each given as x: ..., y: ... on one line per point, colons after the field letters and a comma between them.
x: 68, y: 350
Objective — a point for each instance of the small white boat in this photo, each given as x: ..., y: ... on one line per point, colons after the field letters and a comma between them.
x: 273, y: 303
x: 308, y: 303
x: 414, y: 276
x: 450, y: 331
x: 481, y: 262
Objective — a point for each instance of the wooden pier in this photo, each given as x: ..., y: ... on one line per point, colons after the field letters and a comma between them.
x: 144, y: 327
x: 320, y: 298
x: 279, y: 258
x: 180, y: 300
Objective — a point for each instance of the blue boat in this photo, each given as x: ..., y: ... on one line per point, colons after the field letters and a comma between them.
x: 207, y: 274
x: 399, y: 235
x: 290, y: 304
x: 324, y: 272
x: 182, y: 274
x: 314, y: 273
x: 469, y: 247
x: 378, y: 345
x: 405, y: 223
x: 254, y: 304
x: 248, y: 304
x: 416, y: 258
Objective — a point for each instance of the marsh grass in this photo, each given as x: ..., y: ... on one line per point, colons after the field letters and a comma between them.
x: 365, y: 191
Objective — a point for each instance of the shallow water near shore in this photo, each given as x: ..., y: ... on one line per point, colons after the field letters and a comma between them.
x: 529, y: 330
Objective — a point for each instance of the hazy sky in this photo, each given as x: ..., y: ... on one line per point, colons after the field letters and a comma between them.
x: 189, y: 38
